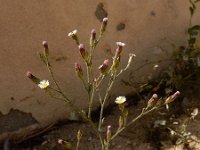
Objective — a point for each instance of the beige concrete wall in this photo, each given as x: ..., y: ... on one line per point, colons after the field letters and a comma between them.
x: 148, y: 27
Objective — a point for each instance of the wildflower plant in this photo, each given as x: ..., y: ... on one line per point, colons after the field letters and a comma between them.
x: 109, y: 70
x: 179, y: 130
x: 187, y: 58
x: 184, y: 68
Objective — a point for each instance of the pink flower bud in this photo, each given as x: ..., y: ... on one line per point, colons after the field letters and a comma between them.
x: 119, y: 49
x: 152, y: 101
x: 61, y: 141
x: 83, y: 52
x: 32, y: 77
x: 81, y: 48
x: 175, y: 95
x: 104, y: 67
x: 45, y: 44
x: 93, y: 38
x: 105, y: 21
x: 29, y: 74
x: 104, y: 25
x: 46, y: 47
x: 93, y: 34
x: 66, y: 144
x: 172, y: 97
x: 106, y: 62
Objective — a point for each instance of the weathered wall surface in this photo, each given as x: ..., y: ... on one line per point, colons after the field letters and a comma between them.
x: 148, y: 27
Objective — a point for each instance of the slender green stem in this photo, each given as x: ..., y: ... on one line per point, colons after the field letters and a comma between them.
x: 95, y: 89
x: 90, y: 83
x: 56, y: 97
x: 110, y: 84
x: 99, y: 94
x: 52, y: 75
x: 77, y: 110
x: 88, y: 72
x: 100, y: 36
x: 144, y: 112
x: 91, y: 97
x: 90, y: 87
x: 99, y: 80
x: 83, y: 116
x: 84, y: 84
x: 54, y: 89
x: 77, y: 145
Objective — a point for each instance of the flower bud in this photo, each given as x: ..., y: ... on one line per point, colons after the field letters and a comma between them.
x: 119, y: 49
x: 46, y: 47
x: 83, y: 52
x: 93, y: 38
x: 74, y: 36
x: 64, y: 143
x: 172, y: 97
x: 104, y: 25
x: 131, y: 58
x: 152, y: 101
x: 32, y: 77
x: 79, y: 70
x: 108, y: 133
x: 61, y: 141
x: 104, y: 67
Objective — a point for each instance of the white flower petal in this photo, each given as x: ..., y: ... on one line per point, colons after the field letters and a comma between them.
x: 43, y: 84
x: 120, y: 100
x: 120, y: 44
x: 72, y: 33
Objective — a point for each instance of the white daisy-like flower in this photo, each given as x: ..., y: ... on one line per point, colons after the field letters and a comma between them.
x: 120, y: 100
x: 43, y: 84
x: 70, y: 34
x: 120, y: 44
